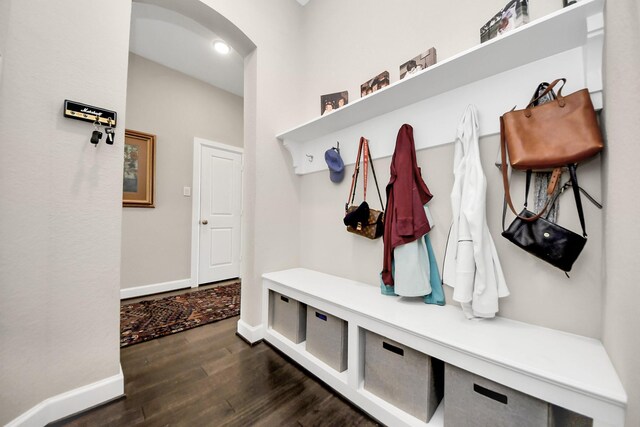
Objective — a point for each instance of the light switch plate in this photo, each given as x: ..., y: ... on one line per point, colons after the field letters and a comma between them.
x: 186, y: 191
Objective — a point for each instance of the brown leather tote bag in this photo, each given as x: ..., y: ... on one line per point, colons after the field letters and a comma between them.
x: 549, y: 136
x: 553, y: 134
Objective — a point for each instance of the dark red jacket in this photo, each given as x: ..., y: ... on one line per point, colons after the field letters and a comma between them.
x: 405, y: 220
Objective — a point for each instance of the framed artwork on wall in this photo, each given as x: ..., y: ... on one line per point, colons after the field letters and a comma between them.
x: 139, y: 169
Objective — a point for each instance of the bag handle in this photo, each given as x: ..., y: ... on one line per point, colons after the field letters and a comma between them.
x: 549, y: 88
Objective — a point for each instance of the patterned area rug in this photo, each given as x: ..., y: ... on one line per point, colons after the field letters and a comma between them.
x: 146, y: 320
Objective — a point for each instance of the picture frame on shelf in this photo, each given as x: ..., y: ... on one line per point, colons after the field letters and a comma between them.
x: 378, y: 82
x: 513, y: 15
x: 419, y: 63
x: 139, y: 169
x: 333, y: 101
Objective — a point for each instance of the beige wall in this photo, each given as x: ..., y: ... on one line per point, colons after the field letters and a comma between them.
x: 622, y: 228
x: 156, y: 243
x: 61, y: 198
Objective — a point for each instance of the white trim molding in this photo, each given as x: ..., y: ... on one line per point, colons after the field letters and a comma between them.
x: 71, y: 402
x: 155, y: 288
x: 198, y: 143
x: 253, y: 334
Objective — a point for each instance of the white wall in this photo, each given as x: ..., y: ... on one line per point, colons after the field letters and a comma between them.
x: 540, y: 294
x: 61, y: 198
x: 272, y: 91
x: 156, y: 243
x: 348, y: 43
x: 342, y: 55
x: 622, y: 228
x: 61, y: 241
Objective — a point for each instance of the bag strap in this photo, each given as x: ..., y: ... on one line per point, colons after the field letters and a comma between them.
x: 573, y: 182
x: 365, y: 161
x: 505, y: 178
x: 576, y: 195
x: 364, y: 155
x: 374, y: 176
x: 354, y: 177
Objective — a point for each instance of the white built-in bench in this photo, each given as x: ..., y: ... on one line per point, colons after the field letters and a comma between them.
x: 564, y: 369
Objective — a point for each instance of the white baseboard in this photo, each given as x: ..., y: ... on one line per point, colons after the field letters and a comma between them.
x: 252, y: 334
x: 156, y: 288
x: 71, y: 402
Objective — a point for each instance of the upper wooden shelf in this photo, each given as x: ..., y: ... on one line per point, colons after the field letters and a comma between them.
x: 560, y: 31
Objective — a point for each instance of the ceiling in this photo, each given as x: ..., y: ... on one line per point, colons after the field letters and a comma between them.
x: 180, y: 43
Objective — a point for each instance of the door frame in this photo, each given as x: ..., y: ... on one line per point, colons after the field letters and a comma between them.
x: 198, y: 143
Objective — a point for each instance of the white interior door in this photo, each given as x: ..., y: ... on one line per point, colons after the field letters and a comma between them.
x: 220, y: 210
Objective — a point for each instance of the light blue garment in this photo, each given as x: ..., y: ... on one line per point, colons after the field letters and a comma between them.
x: 437, y: 293
x: 436, y: 296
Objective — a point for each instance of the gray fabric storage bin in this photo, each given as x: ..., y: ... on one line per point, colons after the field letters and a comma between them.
x: 327, y: 338
x: 287, y: 316
x: 404, y: 377
x: 474, y: 401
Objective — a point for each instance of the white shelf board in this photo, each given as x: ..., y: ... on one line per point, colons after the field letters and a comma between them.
x: 565, y: 369
x: 557, y: 32
x: 437, y: 420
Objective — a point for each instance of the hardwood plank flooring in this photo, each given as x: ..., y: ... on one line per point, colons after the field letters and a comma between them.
x: 207, y: 376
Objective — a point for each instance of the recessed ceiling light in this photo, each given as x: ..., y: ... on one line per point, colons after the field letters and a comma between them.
x: 221, y: 47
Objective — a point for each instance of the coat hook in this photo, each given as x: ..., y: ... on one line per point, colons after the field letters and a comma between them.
x: 309, y: 157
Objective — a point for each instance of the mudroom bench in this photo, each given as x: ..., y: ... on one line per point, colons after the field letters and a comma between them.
x: 329, y: 325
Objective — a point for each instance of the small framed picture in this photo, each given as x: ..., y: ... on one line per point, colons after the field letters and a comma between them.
x: 514, y: 14
x: 378, y: 82
x: 418, y: 63
x: 333, y: 101
x: 139, y: 169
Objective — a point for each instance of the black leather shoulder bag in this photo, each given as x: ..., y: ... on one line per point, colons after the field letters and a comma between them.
x: 544, y: 239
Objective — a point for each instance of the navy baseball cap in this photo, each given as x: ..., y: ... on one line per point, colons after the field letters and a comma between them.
x: 335, y: 163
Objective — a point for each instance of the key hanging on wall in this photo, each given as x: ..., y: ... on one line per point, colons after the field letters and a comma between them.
x: 96, y: 135
x: 110, y: 131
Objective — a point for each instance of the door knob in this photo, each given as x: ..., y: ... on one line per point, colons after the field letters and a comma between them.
x: 204, y: 222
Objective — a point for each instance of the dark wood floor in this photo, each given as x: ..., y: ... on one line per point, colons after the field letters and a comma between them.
x: 208, y: 376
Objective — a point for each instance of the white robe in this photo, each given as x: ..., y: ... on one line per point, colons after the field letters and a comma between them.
x: 471, y: 263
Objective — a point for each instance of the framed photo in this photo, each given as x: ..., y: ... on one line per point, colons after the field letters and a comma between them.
x: 139, y: 169
x: 333, y: 101
x: 418, y: 63
x: 378, y: 82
